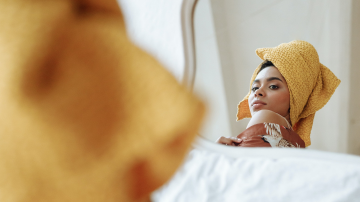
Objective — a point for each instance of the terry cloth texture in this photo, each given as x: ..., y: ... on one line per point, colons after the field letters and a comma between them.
x: 85, y: 114
x: 310, y: 83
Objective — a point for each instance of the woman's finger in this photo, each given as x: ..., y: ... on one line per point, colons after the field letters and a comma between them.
x: 224, y: 140
x: 233, y: 141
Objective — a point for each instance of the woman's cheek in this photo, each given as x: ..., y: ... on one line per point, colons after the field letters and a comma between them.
x: 251, y: 97
x: 284, y: 99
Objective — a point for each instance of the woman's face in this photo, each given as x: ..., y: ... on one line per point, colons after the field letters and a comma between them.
x: 270, y: 91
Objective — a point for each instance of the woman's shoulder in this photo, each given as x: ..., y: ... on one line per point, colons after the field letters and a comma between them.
x: 267, y: 116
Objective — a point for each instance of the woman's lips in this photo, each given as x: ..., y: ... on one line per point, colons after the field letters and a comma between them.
x: 258, y: 104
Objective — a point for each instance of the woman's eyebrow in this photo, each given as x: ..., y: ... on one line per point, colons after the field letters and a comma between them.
x: 274, y: 78
x: 269, y: 79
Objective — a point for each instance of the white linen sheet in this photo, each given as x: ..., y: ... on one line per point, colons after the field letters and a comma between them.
x: 218, y: 173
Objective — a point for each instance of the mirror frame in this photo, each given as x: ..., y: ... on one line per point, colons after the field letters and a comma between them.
x: 187, y: 25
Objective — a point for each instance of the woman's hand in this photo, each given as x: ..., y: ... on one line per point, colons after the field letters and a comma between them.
x: 232, y: 141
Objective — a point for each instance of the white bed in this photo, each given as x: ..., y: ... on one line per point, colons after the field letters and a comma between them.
x: 217, y: 173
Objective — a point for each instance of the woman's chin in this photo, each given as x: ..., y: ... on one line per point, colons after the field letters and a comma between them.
x: 253, y: 111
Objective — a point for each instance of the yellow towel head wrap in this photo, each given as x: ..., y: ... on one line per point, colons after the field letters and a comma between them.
x: 310, y: 83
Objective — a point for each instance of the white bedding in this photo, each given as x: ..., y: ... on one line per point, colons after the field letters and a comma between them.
x: 220, y: 173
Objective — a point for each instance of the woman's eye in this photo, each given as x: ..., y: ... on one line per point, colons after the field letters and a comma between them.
x: 254, y: 89
x: 273, y: 87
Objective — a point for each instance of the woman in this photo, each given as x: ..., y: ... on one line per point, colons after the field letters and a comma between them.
x: 287, y: 88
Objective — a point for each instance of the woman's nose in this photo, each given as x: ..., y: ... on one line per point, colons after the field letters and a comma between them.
x: 259, y: 92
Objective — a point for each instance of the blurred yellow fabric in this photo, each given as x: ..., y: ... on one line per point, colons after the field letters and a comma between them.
x: 85, y: 114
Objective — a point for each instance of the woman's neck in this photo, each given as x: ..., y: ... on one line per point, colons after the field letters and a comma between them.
x: 287, y: 117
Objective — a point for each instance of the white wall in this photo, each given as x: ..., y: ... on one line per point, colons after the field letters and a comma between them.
x: 209, y: 78
x: 155, y: 26
x: 354, y: 82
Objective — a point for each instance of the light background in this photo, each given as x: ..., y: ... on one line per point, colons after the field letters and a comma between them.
x: 227, y: 34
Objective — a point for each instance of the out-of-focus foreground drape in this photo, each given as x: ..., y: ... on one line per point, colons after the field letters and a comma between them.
x: 85, y: 115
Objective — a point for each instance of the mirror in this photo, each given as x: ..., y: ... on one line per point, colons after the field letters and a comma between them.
x: 227, y: 33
